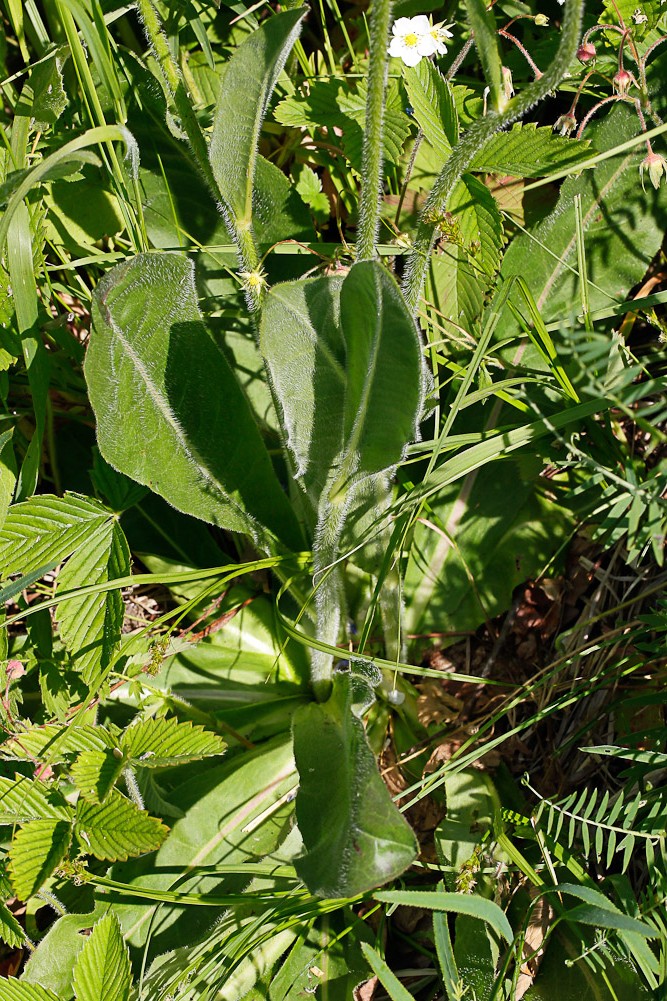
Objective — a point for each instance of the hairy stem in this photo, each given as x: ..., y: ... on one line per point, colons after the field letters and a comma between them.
x: 372, y: 152
x: 473, y: 141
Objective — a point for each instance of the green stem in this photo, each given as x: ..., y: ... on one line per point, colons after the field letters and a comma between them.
x: 174, y: 82
x: 372, y: 151
x: 473, y: 141
x: 329, y: 597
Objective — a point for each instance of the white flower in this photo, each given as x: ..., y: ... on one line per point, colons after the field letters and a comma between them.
x: 439, y: 33
x: 413, y: 38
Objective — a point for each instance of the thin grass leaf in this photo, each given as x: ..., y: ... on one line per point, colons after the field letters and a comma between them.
x: 390, y: 982
x: 445, y: 954
x: 459, y: 903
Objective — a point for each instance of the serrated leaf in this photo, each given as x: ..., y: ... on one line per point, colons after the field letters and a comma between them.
x: 528, y: 150
x: 46, y: 529
x: 245, y: 91
x: 396, y: 124
x: 24, y: 799
x: 56, y: 742
x: 433, y: 106
x: 354, y: 837
x: 150, y: 366
x: 46, y: 81
x: 16, y: 990
x: 116, y: 829
x: 36, y: 850
x: 158, y: 743
x: 478, y: 223
x: 90, y: 626
x: 95, y: 772
x: 11, y: 932
x: 102, y: 971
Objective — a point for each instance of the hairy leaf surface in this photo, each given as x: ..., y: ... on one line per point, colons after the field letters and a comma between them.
x: 151, y: 366
x: 355, y: 838
x: 36, y: 850
x: 117, y: 828
x: 102, y: 971
x: 530, y: 151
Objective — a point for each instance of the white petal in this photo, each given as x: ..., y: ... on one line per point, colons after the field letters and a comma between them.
x: 420, y: 24
x: 410, y: 56
x: 401, y: 27
x: 426, y: 45
x: 396, y: 47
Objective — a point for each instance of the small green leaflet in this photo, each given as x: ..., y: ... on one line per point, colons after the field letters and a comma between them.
x: 157, y: 743
x: 102, y: 971
x: 529, y: 151
x: 36, y: 850
x: 116, y: 829
x: 16, y: 990
x: 24, y: 799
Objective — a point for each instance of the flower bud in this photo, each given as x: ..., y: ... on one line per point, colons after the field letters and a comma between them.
x: 566, y: 124
x: 541, y: 20
x: 586, y: 52
x: 656, y: 166
x: 622, y: 82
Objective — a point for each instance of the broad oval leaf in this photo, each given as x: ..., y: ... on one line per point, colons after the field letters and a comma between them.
x: 102, y: 971
x: 355, y: 838
x: 169, y: 410
x: 245, y: 91
x: 385, y: 381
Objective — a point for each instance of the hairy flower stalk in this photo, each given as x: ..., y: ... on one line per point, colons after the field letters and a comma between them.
x: 372, y: 150
x: 473, y: 141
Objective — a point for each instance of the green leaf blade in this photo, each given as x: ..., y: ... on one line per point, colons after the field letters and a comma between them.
x: 159, y: 743
x: 116, y: 829
x: 355, y: 838
x: 36, y: 850
x: 16, y: 990
x: 150, y: 367
x: 245, y: 91
x: 102, y: 971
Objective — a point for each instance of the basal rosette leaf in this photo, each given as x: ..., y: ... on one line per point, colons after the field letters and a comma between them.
x: 354, y: 836
x: 116, y: 829
x: 36, y: 850
x: 102, y: 971
x: 170, y: 413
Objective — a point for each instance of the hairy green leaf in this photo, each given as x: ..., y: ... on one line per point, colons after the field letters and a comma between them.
x: 117, y: 828
x: 95, y: 773
x: 529, y: 151
x: 102, y: 971
x: 16, y: 990
x: 150, y: 367
x: 433, y: 106
x: 388, y: 979
x: 157, y: 743
x: 355, y: 838
x: 23, y: 799
x: 245, y: 91
x: 90, y: 626
x: 36, y: 850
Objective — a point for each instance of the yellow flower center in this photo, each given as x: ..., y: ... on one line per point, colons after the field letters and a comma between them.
x: 411, y: 40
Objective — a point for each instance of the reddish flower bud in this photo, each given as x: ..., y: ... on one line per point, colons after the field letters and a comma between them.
x: 586, y: 52
x: 622, y: 82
